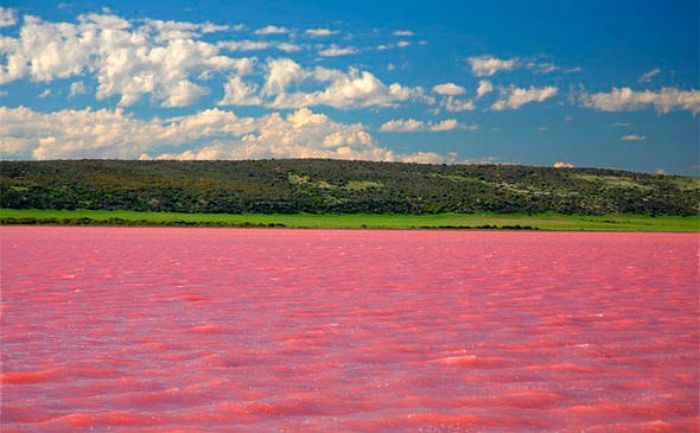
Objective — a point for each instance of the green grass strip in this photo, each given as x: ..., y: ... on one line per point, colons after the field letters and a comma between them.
x: 354, y: 221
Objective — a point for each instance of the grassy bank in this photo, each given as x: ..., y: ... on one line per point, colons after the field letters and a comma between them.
x: 374, y: 221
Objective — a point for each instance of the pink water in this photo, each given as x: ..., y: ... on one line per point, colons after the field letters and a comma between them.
x: 232, y: 330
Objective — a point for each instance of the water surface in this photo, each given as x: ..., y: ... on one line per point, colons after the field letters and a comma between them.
x: 220, y: 330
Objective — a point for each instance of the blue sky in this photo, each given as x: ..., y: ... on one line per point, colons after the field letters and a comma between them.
x: 589, y: 84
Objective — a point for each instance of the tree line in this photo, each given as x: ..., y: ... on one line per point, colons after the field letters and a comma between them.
x: 334, y: 186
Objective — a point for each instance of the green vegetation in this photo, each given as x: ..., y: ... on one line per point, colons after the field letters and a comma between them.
x: 339, y: 187
x: 376, y: 221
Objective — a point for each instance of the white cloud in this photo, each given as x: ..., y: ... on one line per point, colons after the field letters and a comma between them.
x: 335, y: 51
x: 351, y: 89
x: 400, y: 44
x: 403, y: 33
x: 106, y: 133
x: 245, y: 45
x: 626, y: 99
x: 444, y: 125
x: 281, y: 73
x: 214, y: 28
x: 560, y: 164
x: 429, y: 158
x: 272, y: 30
x: 402, y: 125
x: 168, y: 30
x: 486, y: 66
x: 184, y: 93
x: 412, y: 125
x: 223, y: 135
x: 77, y: 88
x: 484, y: 88
x: 514, y: 97
x: 633, y: 137
x: 647, y: 76
x: 248, y: 45
x: 451, y: 89
x: 572, y: 70
x: 236, y: 92
x: 454, y: 105
x: 288, y: 47
x: 320, y: 33
x: 157, y: 58
x: 541, y: 68
x: 8, y: 17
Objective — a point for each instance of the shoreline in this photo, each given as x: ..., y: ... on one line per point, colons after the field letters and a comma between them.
x: 461, y: 222
x: 378, y: 229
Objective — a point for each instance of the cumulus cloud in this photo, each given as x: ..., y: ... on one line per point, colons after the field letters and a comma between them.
x: 515, y: 97
x: 77, y: 88
x: 450, y: 102
x: 301, y: 134
x: 106, y: 133
x: 541, y: 67
x: 245, y: 45
x: 272, y: 30
x: 248, y: 45
x: 222, y: 135
x: 633, y: 137
x: 320, y: 33
x: 168, y: 30
x: 281, y: 73
x: 572, y: 70
x: 455, y: 105
x: 560, y: 164
x: 486, y: 66
x: 184, y: 93
x: 484, y: 88
x: 335, y: 51
x: 412, y: 125
x: 8, y: 17
x: 237, y: 92
x: 449, y: 89
x: 156, y: 58
x: 647, y: 76
x: 288, y: 47
x: 429, y: 158
x: 626, y: 99
x: 338, y: 89
x: 403, y: 33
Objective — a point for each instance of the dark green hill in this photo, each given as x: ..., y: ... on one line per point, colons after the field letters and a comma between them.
x: 321, y: 186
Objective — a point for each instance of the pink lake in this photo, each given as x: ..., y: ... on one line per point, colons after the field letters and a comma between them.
x: 236, y: 330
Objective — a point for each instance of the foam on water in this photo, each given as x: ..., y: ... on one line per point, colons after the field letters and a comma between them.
x: 219, y: 330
